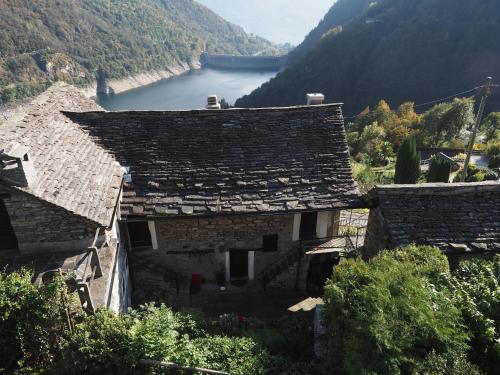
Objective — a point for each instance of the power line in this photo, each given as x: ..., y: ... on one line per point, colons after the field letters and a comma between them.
x: 442, y: 99
x: 448, y: 97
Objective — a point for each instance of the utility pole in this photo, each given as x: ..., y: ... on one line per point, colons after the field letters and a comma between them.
x: 484, y: 97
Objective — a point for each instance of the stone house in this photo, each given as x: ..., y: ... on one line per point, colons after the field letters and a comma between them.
x: 459, y: 219
x: 226, y: 197
x: 59, y: 197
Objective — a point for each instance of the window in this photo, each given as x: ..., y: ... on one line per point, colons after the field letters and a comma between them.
x: 308, y: 225
x: 139, y: 234
x: 270, y: 243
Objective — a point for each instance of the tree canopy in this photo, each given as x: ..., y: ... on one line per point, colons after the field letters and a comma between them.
x: 404, y: 312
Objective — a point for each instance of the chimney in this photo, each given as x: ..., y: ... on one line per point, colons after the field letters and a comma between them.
x: 212, y: 102
x: 16, y: 166
x: 315, y: 99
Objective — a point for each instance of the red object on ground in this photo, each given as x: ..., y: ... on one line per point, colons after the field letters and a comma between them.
x: 196, y: 280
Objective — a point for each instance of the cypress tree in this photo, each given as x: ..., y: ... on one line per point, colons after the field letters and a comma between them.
x: 408, y: 163
x: 439, y: 170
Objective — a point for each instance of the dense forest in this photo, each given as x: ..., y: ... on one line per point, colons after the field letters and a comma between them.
x: 400, y: 50
x: 341, y: 13
x: 45, y: 40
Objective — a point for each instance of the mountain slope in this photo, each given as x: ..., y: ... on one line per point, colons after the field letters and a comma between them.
x: 44, y: 40
x: 296, y: 18
x: 398, y: 50
x: 341, y: 13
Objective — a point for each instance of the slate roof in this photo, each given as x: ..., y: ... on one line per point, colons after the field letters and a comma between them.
x: 71, y: 171
x: 453, y: 217
x: 206, y: 162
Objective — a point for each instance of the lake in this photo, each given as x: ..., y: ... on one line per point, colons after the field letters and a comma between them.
x: 188, y: 91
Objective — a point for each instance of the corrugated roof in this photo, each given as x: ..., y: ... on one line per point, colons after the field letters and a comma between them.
x: 71, y: 171
x: 231, y: 161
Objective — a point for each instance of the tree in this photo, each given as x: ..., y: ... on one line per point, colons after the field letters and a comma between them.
x: 439, y: 170
x: 408, y: 163
x: 444, y: 122
x: 388, y: 315
x: 491, y: 126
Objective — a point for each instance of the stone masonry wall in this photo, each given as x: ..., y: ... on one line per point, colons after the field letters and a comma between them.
x: 199, y: 245
x: 376, y: 238
x: 38, y: 224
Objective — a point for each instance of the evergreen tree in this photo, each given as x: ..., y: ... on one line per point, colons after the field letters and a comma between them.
x: 408, y: 163
x: 439, y: 170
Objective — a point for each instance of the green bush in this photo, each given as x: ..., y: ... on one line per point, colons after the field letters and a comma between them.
x: 494, y: 162
x: 476, y: 174
x: 439, y: 170
x: 31, y: 320
x: 408, y: 163
x: 386, y: 316
x: 476, y: 291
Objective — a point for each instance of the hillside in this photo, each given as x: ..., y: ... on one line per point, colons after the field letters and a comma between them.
x: 398, y: 50
x: 45, y: 40
x: 259, y: 16
x: 341, y: 13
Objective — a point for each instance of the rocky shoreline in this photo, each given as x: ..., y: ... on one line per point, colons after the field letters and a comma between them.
x: 118, y: 86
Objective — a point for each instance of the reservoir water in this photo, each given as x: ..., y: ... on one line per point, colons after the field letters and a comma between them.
x: 188, y: 91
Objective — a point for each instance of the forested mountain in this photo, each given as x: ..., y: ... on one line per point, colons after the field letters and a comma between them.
x: 398, y: 50
x: 341, y: 13
x: 281, y: 21
x: 44, y: 40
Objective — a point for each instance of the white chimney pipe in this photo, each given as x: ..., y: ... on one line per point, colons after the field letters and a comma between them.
x: 212, y: 102
x: 315, y: 99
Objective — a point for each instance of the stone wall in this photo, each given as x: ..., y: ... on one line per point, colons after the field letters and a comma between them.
x: 376, y: 238
x: 199, y: 245
x: 42, y: 226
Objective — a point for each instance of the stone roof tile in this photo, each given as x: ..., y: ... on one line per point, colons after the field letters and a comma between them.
x: 71, y: 170
x: 203, y: 162
x: 449, y: 216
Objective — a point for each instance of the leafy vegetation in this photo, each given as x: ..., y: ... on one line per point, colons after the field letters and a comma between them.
x: 401, y: 312
x: 376, y: 134
x: 404, y: 312
x: 396, y: 49
x: 439, y: 170
x: 47, y: 40
x: 408, y: 163
x: 43, y: 331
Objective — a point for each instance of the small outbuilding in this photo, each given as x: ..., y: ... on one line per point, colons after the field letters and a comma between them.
x: 460, y: 219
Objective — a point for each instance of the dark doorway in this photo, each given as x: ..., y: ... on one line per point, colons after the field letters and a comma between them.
x: 239, y: 264
x: 8, y: 239
x: 320, y: 269
x: 308, y: 223
x: 139, y: 234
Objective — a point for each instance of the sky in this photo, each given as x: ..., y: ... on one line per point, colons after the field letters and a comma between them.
x: 280, y: 21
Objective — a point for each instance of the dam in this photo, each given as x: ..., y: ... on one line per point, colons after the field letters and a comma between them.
x: 265, y: 63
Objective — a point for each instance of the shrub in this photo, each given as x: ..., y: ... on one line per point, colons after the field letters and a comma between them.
x: 476, y: 174
x: 476, y: 292
x: 386, y: 316
x: 102, y: 344
x: 494, y: 162
x: 408, y: 163
x: 439, y: 170
x: 32, y: 320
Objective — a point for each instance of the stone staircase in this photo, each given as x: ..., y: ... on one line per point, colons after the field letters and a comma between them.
x: 287, y: 261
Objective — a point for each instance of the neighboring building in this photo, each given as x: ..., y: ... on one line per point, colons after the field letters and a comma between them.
x: 59, y: 196
x: 226, y: 196
x: 459, y: 219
